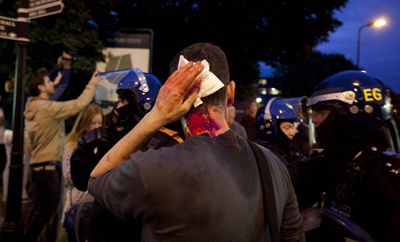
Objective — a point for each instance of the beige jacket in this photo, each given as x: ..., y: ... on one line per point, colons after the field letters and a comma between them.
x: 44, y: 121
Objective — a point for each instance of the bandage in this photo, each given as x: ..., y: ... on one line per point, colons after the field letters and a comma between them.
x: 209, y: 82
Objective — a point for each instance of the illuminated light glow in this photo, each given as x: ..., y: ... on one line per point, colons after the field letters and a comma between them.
x: 258, y: 100
x: 380, y: 22
x: 356, y: 84
x: 273, y: 89
x: 363, y: 71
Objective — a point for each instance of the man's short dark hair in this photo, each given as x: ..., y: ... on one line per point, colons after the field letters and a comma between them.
x: 216, y: 57
x: 33, y: 80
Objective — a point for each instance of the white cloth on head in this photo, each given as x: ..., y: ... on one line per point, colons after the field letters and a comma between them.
x: 209, y: 82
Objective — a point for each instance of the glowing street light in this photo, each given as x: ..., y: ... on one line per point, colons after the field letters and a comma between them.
x: 377, y: 23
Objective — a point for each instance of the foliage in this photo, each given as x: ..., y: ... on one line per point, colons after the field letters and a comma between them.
x: 248, y: 31
x: 49, y: 36
x: 301, y: 79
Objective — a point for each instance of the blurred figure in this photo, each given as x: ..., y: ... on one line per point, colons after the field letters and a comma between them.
x: 60, y: 75
x: 137, y: 93
x: 357, y: 172
x: 59, y: 89
x: 91, y: 117
x: 300, y: 144
x: 275, y: 122
x: 249, y: 120
x: 44, y: 122
x: 8, y: 135
x: 233, y: 125
x: 3, y: 156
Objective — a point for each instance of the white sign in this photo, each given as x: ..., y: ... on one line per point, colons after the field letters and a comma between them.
x: 45, y: 10
x: 124, y: 51
x: 37, y: 3
x: 8, y: 28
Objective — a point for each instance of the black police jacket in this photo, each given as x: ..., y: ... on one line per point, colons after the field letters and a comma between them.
x: 99, y: 223
x: 361, y: 182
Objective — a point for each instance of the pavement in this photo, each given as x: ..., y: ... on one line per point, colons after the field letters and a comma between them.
x: 3, y: 206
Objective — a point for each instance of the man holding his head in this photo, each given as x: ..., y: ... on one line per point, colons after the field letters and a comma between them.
x: 206, y: 188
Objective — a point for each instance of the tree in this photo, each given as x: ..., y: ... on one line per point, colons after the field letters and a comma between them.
x: 71, y: 30
x: 301, y: 79
x: 248, y: 31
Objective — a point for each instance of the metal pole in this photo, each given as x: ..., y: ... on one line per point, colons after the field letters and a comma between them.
x: 358, y: 47
x: 13, y: 227
x: 358, y: 42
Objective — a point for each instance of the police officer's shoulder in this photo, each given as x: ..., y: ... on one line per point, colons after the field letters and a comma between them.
x: 162, y: 138
x: 390, y: 161
x: 171, y: 133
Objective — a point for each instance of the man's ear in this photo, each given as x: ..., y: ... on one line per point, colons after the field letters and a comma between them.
x: 231, y: 93
x: 41, y: 87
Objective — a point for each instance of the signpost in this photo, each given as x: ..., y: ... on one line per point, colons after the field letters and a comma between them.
x: 38, y: 3
x: 45, y: 10
x: 8, y: 28
x: 17, y: 29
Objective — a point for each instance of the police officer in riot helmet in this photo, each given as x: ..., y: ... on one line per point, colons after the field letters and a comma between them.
x: 357, y: 172
x: 136, y: 96
x: 137, y: 93
x: 275, y: 122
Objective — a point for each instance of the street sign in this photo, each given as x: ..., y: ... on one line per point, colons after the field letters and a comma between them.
x: 37, y: 3
x: 45, y: 10
x: 8, y: 28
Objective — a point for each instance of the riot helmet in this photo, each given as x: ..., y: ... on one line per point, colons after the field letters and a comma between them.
x: 269, y: 117
x: 356, y: 102
x: 140, y: 89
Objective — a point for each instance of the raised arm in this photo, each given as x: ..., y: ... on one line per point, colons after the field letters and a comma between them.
x: 71, y: 107
x: 174, y: 100
x: 61, y: 86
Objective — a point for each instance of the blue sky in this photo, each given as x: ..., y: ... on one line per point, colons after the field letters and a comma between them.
x: 379, y: 46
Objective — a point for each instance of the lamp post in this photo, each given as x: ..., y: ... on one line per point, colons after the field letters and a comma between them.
x: 374, y: 23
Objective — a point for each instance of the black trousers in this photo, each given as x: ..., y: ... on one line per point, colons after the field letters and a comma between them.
x: 45, y: 193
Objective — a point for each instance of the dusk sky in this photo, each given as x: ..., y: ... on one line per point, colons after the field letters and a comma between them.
x: 379, y: 46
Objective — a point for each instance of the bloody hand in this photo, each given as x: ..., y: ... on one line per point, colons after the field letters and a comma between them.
x: 177, y: 95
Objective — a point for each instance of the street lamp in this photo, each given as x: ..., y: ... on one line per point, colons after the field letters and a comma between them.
x: 374, y: 23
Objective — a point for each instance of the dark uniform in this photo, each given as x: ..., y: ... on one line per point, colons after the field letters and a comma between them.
x: 99, y: 224
x: 268, y: 120
x: 104, y: 226
x: 354, y: 176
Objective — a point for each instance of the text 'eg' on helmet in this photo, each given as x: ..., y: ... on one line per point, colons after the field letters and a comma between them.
x: 361, y: 99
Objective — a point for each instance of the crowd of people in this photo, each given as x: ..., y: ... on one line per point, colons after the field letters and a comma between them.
x: 146, y: 183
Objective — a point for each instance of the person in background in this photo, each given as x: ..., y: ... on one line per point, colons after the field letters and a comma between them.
x: 233, y: 125
x: 137, y: 93
x: 357, y: 170
x: 275, y: 122
x: 60, y: 75
x: 3, y: 156
x: 91, y: 117
x: 249, y: 120
x: 63, y: 62
x: 44, y: 122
